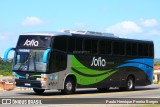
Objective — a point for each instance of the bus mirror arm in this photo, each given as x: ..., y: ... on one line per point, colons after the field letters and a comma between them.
x: 6, y: 53
x: 45, y: 55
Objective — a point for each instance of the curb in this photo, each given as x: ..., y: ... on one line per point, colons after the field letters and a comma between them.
x: 22, y: 89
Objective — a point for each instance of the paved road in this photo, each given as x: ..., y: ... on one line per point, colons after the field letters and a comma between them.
x: 152, y: 91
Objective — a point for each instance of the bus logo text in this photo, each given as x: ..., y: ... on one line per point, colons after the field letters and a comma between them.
x: 98, y: 62
x: 31, y: 43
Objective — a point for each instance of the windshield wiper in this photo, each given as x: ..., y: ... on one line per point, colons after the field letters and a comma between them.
x: 29, y: 57
x: 35, y: 62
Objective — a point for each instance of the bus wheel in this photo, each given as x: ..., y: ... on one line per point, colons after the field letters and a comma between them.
x: 69, y: 86
x: 130, y: 84
x: 38, y: 91
x: 103, y: 89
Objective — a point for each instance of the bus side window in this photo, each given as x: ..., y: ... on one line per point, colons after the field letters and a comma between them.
x: 108, y: 47
x: 60, y: 43
x: 87, y: 45
x: 79, y: 45
x: 94, y: 46
x: 128, y: 48
x: 131, y: 49
x: 118, y: 48
x: 150, y: 50
x: 146, y: 50
x: 140, y: 49
x: 71, y: 44
x: 102, y: 47
x: 134, y: 49
x: 122, y: 48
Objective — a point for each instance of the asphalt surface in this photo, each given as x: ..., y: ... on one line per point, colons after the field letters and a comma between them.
x: 87, y: 96
x: 151, y: 91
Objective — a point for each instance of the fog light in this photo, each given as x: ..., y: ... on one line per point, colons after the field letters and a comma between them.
x: 44, y: 85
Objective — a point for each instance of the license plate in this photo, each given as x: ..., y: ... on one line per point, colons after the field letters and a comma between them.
x: 27, y: 84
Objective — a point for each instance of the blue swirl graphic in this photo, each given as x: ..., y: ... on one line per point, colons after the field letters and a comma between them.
x: 145, y: 64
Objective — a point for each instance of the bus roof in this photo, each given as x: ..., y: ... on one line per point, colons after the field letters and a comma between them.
x: 70, y: 32
x: 80, y: 33
x: 46, y: 33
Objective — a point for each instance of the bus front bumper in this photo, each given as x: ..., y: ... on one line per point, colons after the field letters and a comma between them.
x: 30, y: 83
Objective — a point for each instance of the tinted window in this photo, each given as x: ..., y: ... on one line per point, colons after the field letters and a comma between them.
x: 87, y: 45
x: 122, y: 48
x: 102, y: 47
x: 129, y: 48
x: 151, y: 51
x: 119, y: 48
x: 108, y: 47
x: 94, y: 46
x: 141, y: 50
x: 79, y: 45
x: 146, y: 50
x: 58, y: 62
x: 134, y: 49
x: 71, y: 44
x: 60, y: 43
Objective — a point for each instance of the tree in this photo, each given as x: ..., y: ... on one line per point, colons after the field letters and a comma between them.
x: 5, y: 68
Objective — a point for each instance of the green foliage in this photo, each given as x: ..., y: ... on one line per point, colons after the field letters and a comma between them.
x: 5, y: 68
x: 155, y: 82
x: 157, y: 62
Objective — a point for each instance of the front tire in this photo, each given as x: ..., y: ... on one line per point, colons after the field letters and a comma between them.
x: 38, y: 91
x: 69, y: 86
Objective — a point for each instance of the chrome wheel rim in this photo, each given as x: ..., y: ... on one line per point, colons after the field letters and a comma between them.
x: 69, y: 86
x: 130, y: 84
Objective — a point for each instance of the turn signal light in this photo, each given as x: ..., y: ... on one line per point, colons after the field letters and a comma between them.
x: 44, y: 79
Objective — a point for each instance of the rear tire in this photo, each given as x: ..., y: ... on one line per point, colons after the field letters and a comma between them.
x: 130, y: 85
x: 69, y: 87
x: 38, y: 91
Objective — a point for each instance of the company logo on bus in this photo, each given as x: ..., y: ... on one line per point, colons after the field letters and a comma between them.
x: 31, y: 43
x: 98, y: 62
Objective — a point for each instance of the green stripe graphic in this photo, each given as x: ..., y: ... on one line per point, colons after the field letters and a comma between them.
x: 86, y: 80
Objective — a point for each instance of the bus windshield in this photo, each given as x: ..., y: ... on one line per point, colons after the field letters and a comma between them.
x: 29, y: 60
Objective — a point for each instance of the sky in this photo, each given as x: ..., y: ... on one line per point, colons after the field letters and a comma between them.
x: 135, y: 19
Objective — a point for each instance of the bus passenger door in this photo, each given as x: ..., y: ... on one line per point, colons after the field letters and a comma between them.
x: 57, y: 68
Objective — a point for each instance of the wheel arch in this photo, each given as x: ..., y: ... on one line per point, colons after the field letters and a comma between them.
x: 133, y: 76
x: 70, y: 76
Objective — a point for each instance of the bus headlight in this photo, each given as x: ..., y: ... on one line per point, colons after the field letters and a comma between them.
x: 39, y: 79
x: 42, y: 79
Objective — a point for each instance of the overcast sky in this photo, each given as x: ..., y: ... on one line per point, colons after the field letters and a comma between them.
x: 137, y: 19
